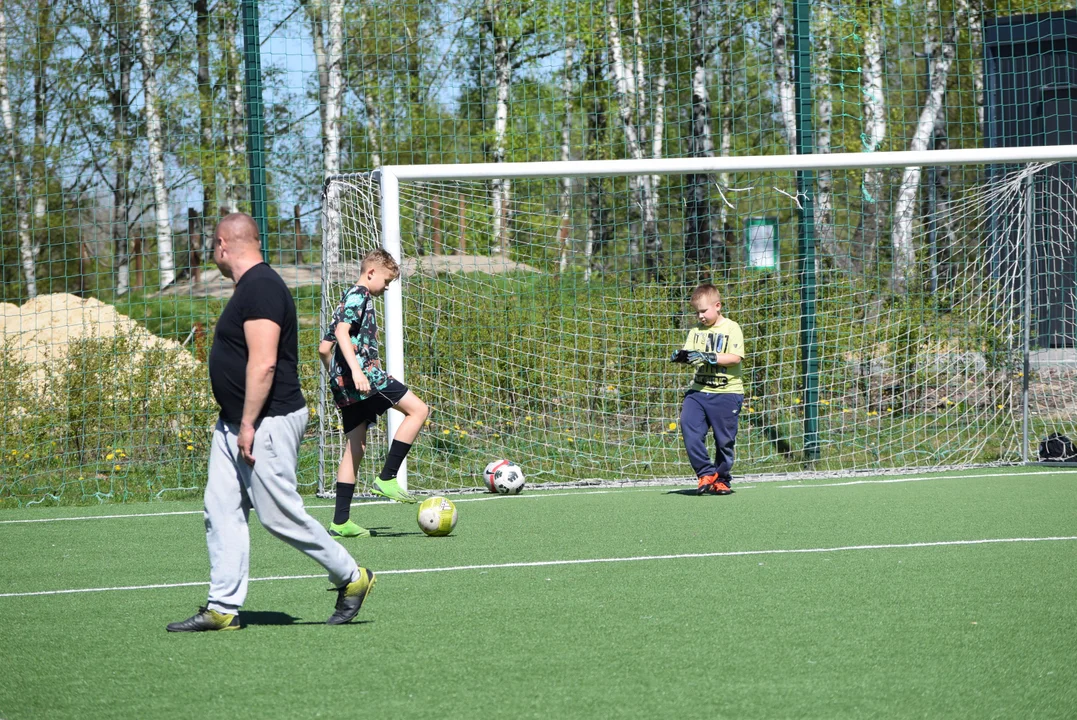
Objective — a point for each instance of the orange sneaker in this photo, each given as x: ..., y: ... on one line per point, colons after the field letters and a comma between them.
x: 706, y: 484
x: 721, y: 487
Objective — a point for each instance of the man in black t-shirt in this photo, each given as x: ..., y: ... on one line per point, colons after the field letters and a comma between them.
x: 253, y: 369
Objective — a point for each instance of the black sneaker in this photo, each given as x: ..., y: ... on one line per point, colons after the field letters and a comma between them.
x: 350, y: 597
x: 206, y: 620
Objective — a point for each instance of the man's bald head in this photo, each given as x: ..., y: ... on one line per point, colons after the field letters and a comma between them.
x: 240, y: 228
x: 236, y: 245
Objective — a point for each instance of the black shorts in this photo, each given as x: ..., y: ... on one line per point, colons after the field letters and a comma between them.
x: 368, y: 411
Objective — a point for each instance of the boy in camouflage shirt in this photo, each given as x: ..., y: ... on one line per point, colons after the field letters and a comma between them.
x: 364, y: 391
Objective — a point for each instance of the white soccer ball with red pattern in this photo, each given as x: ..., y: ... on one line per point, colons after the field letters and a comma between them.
x: 503, y: 476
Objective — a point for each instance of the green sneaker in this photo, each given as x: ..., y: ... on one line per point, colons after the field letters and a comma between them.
x: 391, y: 489
x: 348, y: 529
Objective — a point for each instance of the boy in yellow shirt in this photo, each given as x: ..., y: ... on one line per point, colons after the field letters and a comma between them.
x: 715, y: 348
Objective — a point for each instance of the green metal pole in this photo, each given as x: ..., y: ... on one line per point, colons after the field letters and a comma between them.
x: 256, y: 146
x: 809, y: 351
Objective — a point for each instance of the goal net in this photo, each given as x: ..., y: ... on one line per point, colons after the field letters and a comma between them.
x: 896, y: 317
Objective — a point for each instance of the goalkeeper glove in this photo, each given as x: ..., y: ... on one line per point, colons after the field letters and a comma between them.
x: 681, y: 356
x: 702, y: 358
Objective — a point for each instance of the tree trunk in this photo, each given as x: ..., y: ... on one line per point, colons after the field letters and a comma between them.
x: 783, y: 74
x: 207, y: 168
x: 598, y: 229
x: 120, y: 98
x: 971, y: 16
x: 565, y: 232
x: 659, y: 115
x: 334, y: 95
x: 725, y: 141
x: 623, y: 86
x: 370, y: 105
x: 698, y: 240
x: 873, y: 110
x: 235, y: 186
x: 27, y: 251
x: 940, y: 58
x: 317, y: 32
x: 501, y: 188
x: 641, y: 85
x: 147, y: 30
x: 824, y: 200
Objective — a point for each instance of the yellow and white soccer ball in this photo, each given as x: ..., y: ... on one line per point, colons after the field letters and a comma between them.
x: 437, y: 516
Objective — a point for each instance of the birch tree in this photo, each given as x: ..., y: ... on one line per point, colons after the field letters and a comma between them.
x: 148, y: 37
x: 45, y: 28
x: 501, y: 189
x: 206, y: 142
x: 565, y: 203
x: 235, y: 183
x: 940, y: 57
x: 369, y: 95
x: 873, y: 111
x: 334, y: 91
x: 27, y: 248
x: 119, y: 94
x: 625, y: 90
x: 725, y: 123
x: 824, y: 200
x: 970, y: 15
x: 700, y: 243
x: 599, y: 229
x: 783, y: 73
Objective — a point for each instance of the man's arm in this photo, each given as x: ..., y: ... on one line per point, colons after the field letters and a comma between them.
x: 263, y: 337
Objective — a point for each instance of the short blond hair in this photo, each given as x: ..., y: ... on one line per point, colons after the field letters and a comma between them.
x: 707, y: 292
x: 380, y: 257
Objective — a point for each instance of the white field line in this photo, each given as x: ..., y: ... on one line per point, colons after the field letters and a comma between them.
x: 921, y: 479
x: 530, y: 496
x: 584, y: 561
x: 745, y: 484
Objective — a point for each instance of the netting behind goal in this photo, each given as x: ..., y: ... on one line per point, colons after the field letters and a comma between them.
x: 540, y: 314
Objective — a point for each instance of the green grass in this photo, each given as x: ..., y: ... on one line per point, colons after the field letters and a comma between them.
x: 974, y: 630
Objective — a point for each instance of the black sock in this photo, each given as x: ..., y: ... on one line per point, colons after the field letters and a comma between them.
x: 397, y: 452
x: 345, y: 492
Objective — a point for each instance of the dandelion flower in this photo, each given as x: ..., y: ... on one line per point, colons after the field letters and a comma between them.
x: 109, y: 456
x: 672, y: 426
x: 117, y: 468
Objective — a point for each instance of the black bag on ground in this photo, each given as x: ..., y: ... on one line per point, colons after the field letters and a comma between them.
x: 1057, y: 448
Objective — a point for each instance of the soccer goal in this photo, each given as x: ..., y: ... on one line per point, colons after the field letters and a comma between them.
x: 900, y: 310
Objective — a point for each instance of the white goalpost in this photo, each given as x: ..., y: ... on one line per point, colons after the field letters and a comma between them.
x: 941, y: 338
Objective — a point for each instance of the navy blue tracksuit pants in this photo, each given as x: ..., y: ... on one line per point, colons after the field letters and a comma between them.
x: 719, y: 413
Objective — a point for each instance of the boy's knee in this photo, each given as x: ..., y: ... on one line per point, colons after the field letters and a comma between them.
x: 422, y: 411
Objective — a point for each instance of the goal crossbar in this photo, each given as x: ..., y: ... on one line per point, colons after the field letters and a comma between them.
x: 755, y: 163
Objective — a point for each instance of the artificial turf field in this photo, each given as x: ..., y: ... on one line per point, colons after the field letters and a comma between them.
x: 946, y: 595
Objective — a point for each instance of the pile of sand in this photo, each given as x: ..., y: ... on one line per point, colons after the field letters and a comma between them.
x: 42, y: 331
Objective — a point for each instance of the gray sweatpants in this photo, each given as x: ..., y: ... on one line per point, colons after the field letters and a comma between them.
x: 270, y: 488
